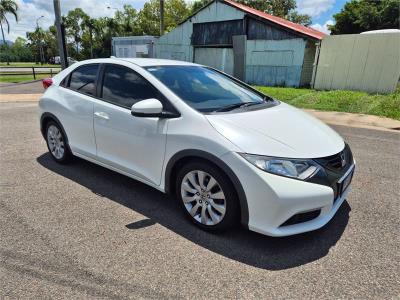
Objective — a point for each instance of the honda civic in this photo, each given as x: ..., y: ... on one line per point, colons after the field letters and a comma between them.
x: 228, y: 153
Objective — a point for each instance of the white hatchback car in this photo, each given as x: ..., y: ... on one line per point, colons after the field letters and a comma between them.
x: 228, y: 152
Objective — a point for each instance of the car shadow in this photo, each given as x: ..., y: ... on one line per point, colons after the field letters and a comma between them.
x: 240, y: 244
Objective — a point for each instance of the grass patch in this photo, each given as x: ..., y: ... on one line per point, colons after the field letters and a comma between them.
x: 21, y: 78
x: 343, y: 101
x: 27, y: 64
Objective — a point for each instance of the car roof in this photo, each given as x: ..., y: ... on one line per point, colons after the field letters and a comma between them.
x: 142, y: 62
x: 145, y: 62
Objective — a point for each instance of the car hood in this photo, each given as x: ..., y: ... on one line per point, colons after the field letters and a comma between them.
x: 281, y: 131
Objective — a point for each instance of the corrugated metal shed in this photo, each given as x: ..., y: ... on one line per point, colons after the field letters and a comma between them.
x: 268, y: 51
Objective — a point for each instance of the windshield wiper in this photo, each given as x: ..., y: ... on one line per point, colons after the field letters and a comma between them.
x: 267, y: 98
x: 235, y: 106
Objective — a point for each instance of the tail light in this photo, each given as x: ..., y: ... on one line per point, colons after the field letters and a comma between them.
x: 47, y: 82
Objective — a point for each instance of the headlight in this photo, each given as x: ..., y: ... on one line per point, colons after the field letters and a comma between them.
x: 294, y: 168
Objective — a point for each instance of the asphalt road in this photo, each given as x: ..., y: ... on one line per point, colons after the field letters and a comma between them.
x: 85, y: 232
x: 31, y: 87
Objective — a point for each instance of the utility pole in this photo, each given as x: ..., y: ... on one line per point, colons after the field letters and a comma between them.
x: 60, y: 35
x: 161, y: 17
x: 41, y: 53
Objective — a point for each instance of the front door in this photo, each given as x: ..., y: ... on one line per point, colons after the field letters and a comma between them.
x: 131, y: 144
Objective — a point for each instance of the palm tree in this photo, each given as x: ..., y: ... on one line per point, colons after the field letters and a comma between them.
x: 7, y: 6
x: 89, y: 23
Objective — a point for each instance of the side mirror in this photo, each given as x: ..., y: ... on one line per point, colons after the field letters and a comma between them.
x: 150, y: 108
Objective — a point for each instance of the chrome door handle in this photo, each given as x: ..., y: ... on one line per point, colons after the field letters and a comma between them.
x: 102, y: 115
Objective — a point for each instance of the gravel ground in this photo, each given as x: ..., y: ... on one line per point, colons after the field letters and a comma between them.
x: 81, y: 231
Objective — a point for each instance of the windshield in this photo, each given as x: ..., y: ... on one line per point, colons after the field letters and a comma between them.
x: 205, y: 89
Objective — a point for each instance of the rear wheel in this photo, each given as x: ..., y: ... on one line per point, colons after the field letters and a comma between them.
x: 207, y: 196
x: 57, y: 143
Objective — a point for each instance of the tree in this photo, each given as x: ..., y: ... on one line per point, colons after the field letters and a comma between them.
x: 103, y: 30
x: 149, y: 17
x: 279, y: 8
x: 363, y: 15
x: 19, y: 51
x: 302, y: 19
x: 87, y: 35
x: 50, y: 45
x: 175, y: 12
x: 35, y: 40
x: 127, y: 21
x: 74, y: 22
x: 197, y: 5
x: 7, y: 7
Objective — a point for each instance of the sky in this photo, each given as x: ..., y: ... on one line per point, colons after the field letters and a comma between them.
x: 321, y: 12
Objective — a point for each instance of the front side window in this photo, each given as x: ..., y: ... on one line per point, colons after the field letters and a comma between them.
x: 205, y: 89
x: 83, y: 79
x: 124, y: 87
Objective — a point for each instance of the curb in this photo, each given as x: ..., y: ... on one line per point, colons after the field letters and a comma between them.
x: 356, y: 120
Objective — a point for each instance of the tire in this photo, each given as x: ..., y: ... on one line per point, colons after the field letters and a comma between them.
x: 212, y: 205
x: 57, y: 143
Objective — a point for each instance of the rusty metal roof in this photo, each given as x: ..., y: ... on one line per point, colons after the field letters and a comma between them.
x: 308, y: 31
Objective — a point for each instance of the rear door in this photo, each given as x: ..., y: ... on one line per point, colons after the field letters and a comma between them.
x: 131, y: 144
x: 79, y: 91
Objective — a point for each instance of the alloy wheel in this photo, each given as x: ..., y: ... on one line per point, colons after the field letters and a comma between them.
x: 56, y: 142
x: 203, y: 197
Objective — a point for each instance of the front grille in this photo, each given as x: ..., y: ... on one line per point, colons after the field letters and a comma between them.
x: 302, y: 217
x: 337, y: 162
x: 333, y: 169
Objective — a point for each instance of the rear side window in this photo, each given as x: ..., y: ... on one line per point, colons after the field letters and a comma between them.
x: 64, y: 82
x: 83, y: 79
x: 124, y: 87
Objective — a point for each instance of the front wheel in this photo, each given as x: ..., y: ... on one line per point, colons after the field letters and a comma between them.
x: 207, y: 196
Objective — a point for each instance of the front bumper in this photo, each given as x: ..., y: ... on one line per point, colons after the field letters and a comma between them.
x: 272, y: 199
